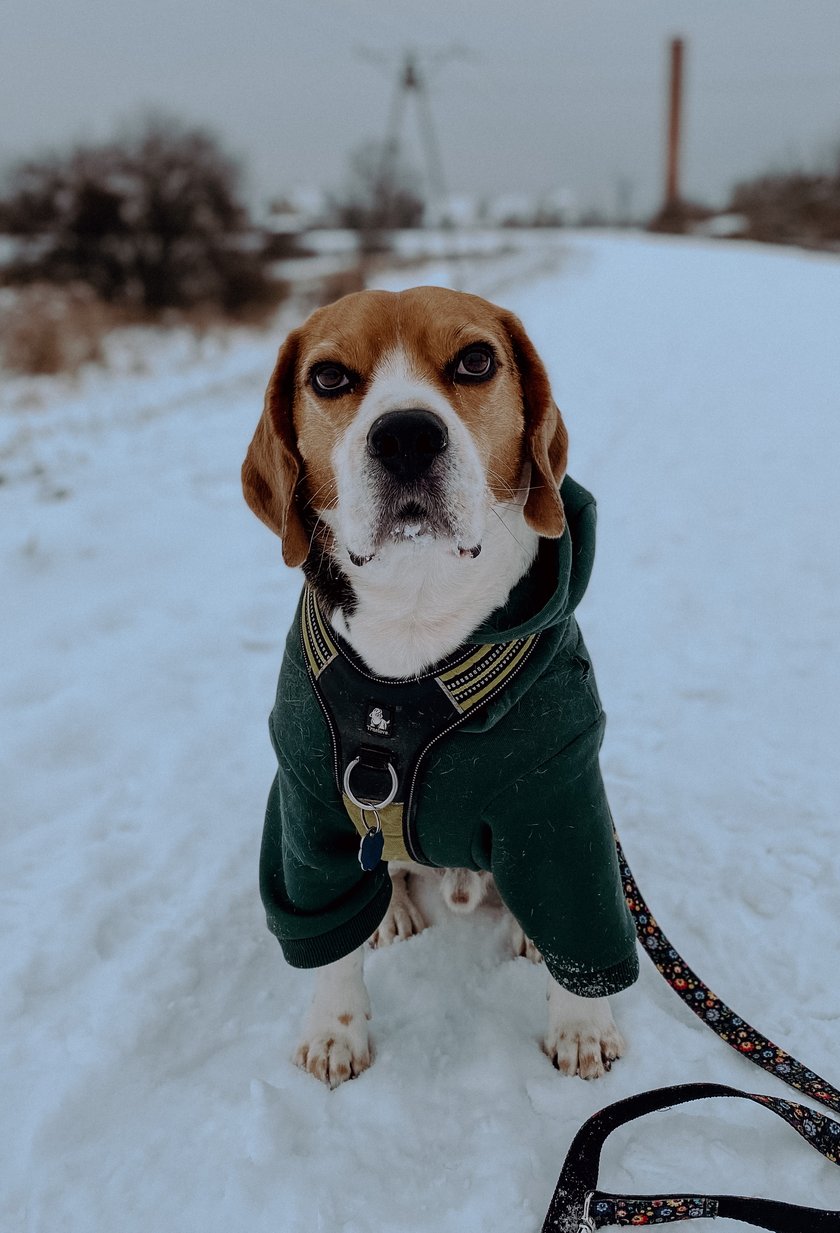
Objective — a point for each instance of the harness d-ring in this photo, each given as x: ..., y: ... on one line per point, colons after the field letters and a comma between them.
x: 368, y: 805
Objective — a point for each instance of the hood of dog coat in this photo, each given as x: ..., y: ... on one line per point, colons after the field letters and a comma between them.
x: 543, y: 602
x: 555, y: 584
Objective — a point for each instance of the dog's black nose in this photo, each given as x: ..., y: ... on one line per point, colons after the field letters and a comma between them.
x: 407, y: 442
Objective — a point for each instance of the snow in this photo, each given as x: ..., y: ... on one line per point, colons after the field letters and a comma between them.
x: 147, y: 1015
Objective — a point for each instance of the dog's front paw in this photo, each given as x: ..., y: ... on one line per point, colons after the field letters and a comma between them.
x: 582, y: 1038
x: 521, y: 944
x: 335, y: 1044
x: 580, y: 1051
x: 402, y: 920
x: 340, y: 1053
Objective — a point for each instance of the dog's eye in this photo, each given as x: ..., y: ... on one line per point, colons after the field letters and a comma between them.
x: 330, y: 379
x: 475, y: 364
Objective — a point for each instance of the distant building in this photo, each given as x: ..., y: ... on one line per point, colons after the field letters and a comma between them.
x: 295, y: 211
x: 552, y: 208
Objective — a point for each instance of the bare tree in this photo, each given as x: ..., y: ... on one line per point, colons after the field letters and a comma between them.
x: 792, y: 208
x: 381, y: 193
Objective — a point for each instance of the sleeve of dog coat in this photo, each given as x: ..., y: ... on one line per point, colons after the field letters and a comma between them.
x: 319, y: 903
x: 554, y: 861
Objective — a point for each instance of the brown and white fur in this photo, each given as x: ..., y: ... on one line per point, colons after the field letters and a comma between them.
x: 408, y: 564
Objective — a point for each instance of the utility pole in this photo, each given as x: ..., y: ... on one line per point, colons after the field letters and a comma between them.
x: 411, y: 83
x: 414, y: 72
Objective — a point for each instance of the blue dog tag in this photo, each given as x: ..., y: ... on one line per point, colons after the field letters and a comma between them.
x: 370, y: 850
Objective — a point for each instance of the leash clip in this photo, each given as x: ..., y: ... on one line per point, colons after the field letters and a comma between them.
x: 587, y: 1224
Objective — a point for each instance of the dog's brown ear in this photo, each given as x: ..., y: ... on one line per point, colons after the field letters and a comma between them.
x: 272, y: 470
x: 546, y: 439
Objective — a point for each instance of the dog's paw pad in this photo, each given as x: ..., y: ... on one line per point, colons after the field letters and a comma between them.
x: 335, y: 1057
x: 580, y: 1051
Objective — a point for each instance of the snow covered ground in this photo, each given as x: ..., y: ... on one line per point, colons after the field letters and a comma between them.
x: 147, y: 1015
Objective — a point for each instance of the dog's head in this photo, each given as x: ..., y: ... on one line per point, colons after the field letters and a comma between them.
x: 405, y: 417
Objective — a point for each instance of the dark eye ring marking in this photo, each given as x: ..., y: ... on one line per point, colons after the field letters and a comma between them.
x: 330, y: 380
x: 476, y: 363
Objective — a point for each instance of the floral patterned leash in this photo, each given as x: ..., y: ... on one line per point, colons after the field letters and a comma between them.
x: 579, y: 1207
x: 723, y: 1021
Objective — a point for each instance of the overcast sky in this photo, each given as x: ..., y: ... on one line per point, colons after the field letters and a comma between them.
x: 554, y: 93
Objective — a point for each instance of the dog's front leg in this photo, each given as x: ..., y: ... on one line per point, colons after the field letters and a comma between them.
x: 335, y: 1044
x: 582, y: 1037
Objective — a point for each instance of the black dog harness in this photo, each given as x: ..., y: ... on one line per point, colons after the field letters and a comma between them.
x: 578, y: 1206
x: 382, y: 729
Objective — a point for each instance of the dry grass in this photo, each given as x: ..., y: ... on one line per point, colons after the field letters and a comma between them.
x: 209, y: 318
x: 46, y: 330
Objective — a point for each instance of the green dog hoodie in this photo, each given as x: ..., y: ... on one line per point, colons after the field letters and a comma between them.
x: 513, y: 787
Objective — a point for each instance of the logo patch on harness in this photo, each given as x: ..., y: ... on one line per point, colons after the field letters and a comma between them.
x: 379, y: 719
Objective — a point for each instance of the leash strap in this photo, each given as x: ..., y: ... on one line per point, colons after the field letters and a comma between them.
x: 579, y: 1207
x: 723, y: 1021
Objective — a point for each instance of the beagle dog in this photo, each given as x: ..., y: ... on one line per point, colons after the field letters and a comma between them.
x: 410, y: 458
